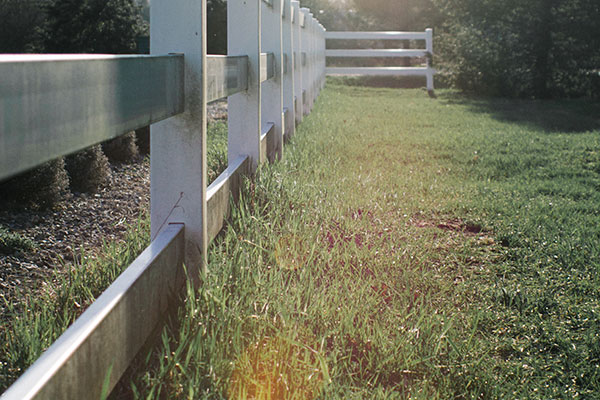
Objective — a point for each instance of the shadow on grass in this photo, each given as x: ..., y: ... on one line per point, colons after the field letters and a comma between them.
x: 391, y: 82
x: 550, y: 116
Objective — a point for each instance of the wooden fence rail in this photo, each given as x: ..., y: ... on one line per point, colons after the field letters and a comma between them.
x: 426, y: 53
x: 53, y: 105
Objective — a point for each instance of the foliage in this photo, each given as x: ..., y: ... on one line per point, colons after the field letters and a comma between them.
x: 216, y: 152
x: 402, y: 15
x: 42, y: 187
x: 122, y: 148
x: 11, y: 242
x: 88, y: 169
x: 539, y: 48
x: 18, y: 31
x: 336, y: 16
x: 93, y: 26
x: 142, y: 138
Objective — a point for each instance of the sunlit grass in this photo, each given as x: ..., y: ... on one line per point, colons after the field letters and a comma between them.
x: 405, y: 247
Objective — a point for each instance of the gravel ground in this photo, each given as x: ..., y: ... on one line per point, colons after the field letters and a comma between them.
x: 83, y: 221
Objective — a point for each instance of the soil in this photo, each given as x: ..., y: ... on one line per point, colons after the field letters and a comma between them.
x: 84, y: 221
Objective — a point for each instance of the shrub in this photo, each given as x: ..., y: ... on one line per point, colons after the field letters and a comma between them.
x: 142, y: 136
x: 121, y: 149
x: 40, y: 188
x: 11, y: 242
x: 93, y: 26
x: 88, y: 169
x: 18, y: 30
x: 539, y: 48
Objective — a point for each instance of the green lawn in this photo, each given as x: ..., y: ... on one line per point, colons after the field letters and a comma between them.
x: 405, y: 247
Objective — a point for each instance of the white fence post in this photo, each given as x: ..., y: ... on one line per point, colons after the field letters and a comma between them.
x: 304, y: 60
x: 429, y: 48
x: 323, y: 58
x: 178, y: 144
x: 288, y: 70
x: 244, y: 115
x: 313, y: 34
x: 297, y: 61
x: 272, y: 90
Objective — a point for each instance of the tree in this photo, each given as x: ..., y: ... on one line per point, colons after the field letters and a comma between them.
x: 405, y: 15
x: 20, y: 20
x: 538, y: 48
x: 93, y: 26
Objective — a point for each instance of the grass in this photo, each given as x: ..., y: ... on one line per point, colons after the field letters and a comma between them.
x: 405, y: 248
x: 34, y: 323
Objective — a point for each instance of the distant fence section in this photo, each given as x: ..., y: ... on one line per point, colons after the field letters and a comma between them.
x: 424, y: 53
x: 54, y: 105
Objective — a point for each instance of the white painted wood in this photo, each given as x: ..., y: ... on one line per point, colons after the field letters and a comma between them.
x: 288, y: 74
x: 296, y: 62
x: 427, y: 36
x: 272, y: 89
x: 267, y: 140
x: 429, y: 40
x: 310, y: 59
x: 429, y: 46
x: 108, y: 335
x: 305, y: 49
x: 376, y: 35
x: 377, y: 53
x: 323, y: 56
x: 178, y: 145
x: 219, y: 194
x: 225, y: 76
x: 53, y: 105
x: 267, y: 66
x: 244, y: 114
x: 379, y: 71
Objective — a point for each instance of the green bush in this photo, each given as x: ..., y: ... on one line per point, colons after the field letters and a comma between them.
x: 19, y: 27
x: 93, y: 26
x: 533, y: 49
x: 142, y: 137
x: 40, y: 188
x: 88, y: 169
x: 121, y: 149
x: 11, y: 242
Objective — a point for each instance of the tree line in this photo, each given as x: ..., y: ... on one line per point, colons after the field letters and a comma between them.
x: 510, y: 48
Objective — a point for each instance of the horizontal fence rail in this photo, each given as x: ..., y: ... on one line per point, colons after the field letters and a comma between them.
x: 226, y: 75
x: 53, y: 105
x: 376, y: 53
x: 377, y: 35
x: 425, y: 53
x: 100, y: 344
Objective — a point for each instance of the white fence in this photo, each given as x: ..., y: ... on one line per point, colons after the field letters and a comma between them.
x: 53, y: 105
x: 426, y: 53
